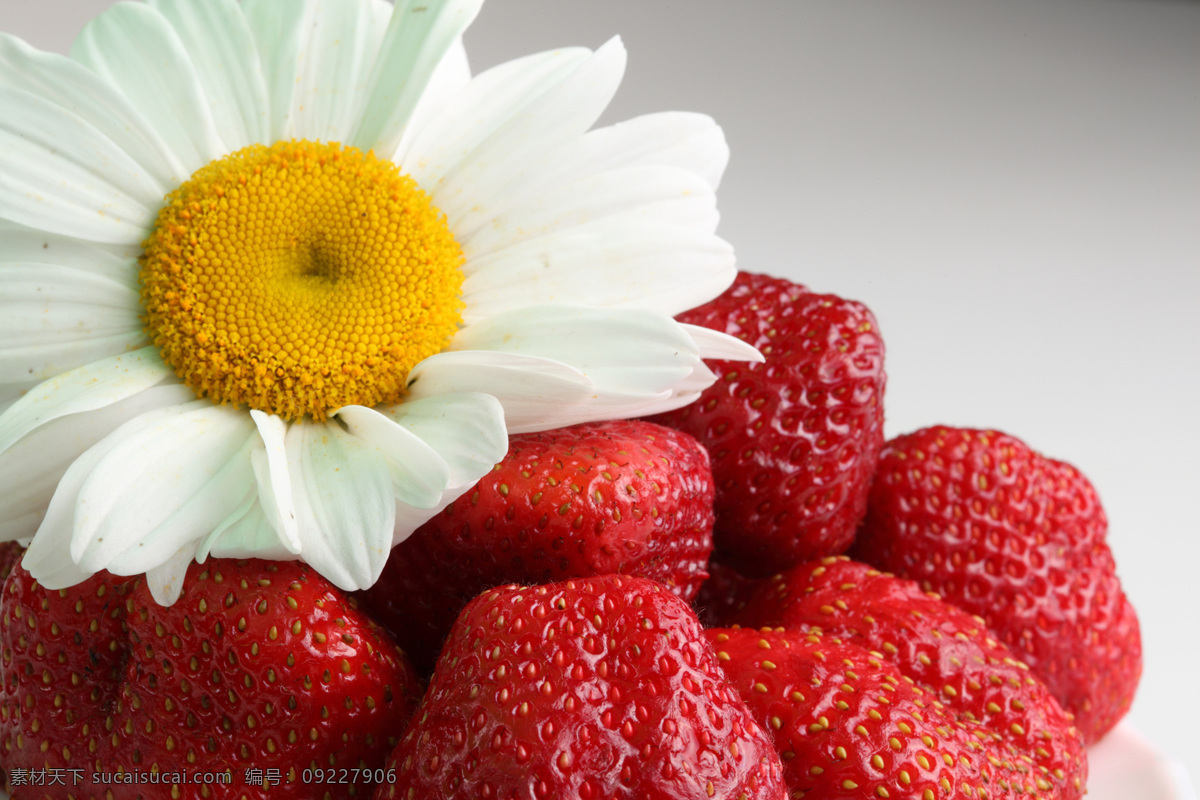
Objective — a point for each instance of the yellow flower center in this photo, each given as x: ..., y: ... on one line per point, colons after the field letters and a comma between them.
x: 299, y: 278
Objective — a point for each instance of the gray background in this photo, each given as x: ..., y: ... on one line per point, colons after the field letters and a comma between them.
x: 1013, y: 187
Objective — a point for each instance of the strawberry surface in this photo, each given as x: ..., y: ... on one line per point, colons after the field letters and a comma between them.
x: 849, y: 726
x: 941, y: 648
x: 793, y: 440
x: 61, y: 663
x: 10, y: 556
x: 261, y: 670
x: 623, y: 496
x: 1018, y: 539
x: 601, y: 688
x: 723, y: 594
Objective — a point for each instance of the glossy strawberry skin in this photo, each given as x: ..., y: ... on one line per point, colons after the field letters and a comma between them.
x: 258, y: 665
x: 940, y: 647
x: 793, y: 440
x: 1018, y: 539
x: 849, y: 726
x: 597, y: 687
x: 62, y: 659
x: 617, y: 497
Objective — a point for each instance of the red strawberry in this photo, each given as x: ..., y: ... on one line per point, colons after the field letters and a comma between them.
x: 940, y: 647
x: 10, y: 556
x: 624, y: 497
x: 595, y: 688
x: 849, y: 726
x: 259, y: 666
x: 62, y: 659
x: 723, y: 594
x: 793, y: 440
x: 1018, y: 539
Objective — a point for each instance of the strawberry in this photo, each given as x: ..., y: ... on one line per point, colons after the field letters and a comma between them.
x: 62, y: 656
x: 1018, y: 539
x: 599, y: 498
x: 849, y: 726
x: 793, y: 440
x: 723, y: 594
x: 259, y: 667
x: 941, y: 648
x: 10, y: 556
x: 597, y: 688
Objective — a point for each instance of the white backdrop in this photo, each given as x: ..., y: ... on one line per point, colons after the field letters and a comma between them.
x: 1013, y: 187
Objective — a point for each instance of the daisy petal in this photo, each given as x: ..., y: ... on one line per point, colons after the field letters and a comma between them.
x: 711, y: 344
x: 607, y: 263
x: 156, y: 467
x: 714, y: 344
x: 46, y: 303
x: 480, y: 108
x: 623, y: 351
x: 536, y: 393
x: 220, y: 45
x: 12, y: 392
x: 85, y: 388
x: 41, y: 359
x: 31, y: 469
x: 409, y: 518
x: 246, y: 533
x: 241, y: 510
x: 558, y: 115
x: 701, y: 378
x: 271, y: 476
x: 649, y: 195
x: 45, y: 559
x: 683, y: 393
x: 692, y: 142
x: 671, y: 138
x: 526, y: 386
x: 338, y: 47
x: 419, y: 473
x: 279, y: 31
x: 165, y: 581
x: 58, y: 173
x: 24, y: 245
x: 556, y: 366
x: 134, y: 47
x: 448, y: 80
x: 419, y: 36
x: 345, y: 504
x: 72, y: 86
x: 467, y: 430
x: 216, y: 502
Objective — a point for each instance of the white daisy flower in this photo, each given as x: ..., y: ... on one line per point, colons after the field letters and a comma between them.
x: 276, y: 278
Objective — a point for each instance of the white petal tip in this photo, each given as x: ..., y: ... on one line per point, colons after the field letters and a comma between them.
x: 165, y: 593
x: 62, y: 574
x: 722, y: 346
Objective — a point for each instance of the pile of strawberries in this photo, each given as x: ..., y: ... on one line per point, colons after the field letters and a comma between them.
x: 647, y: 609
